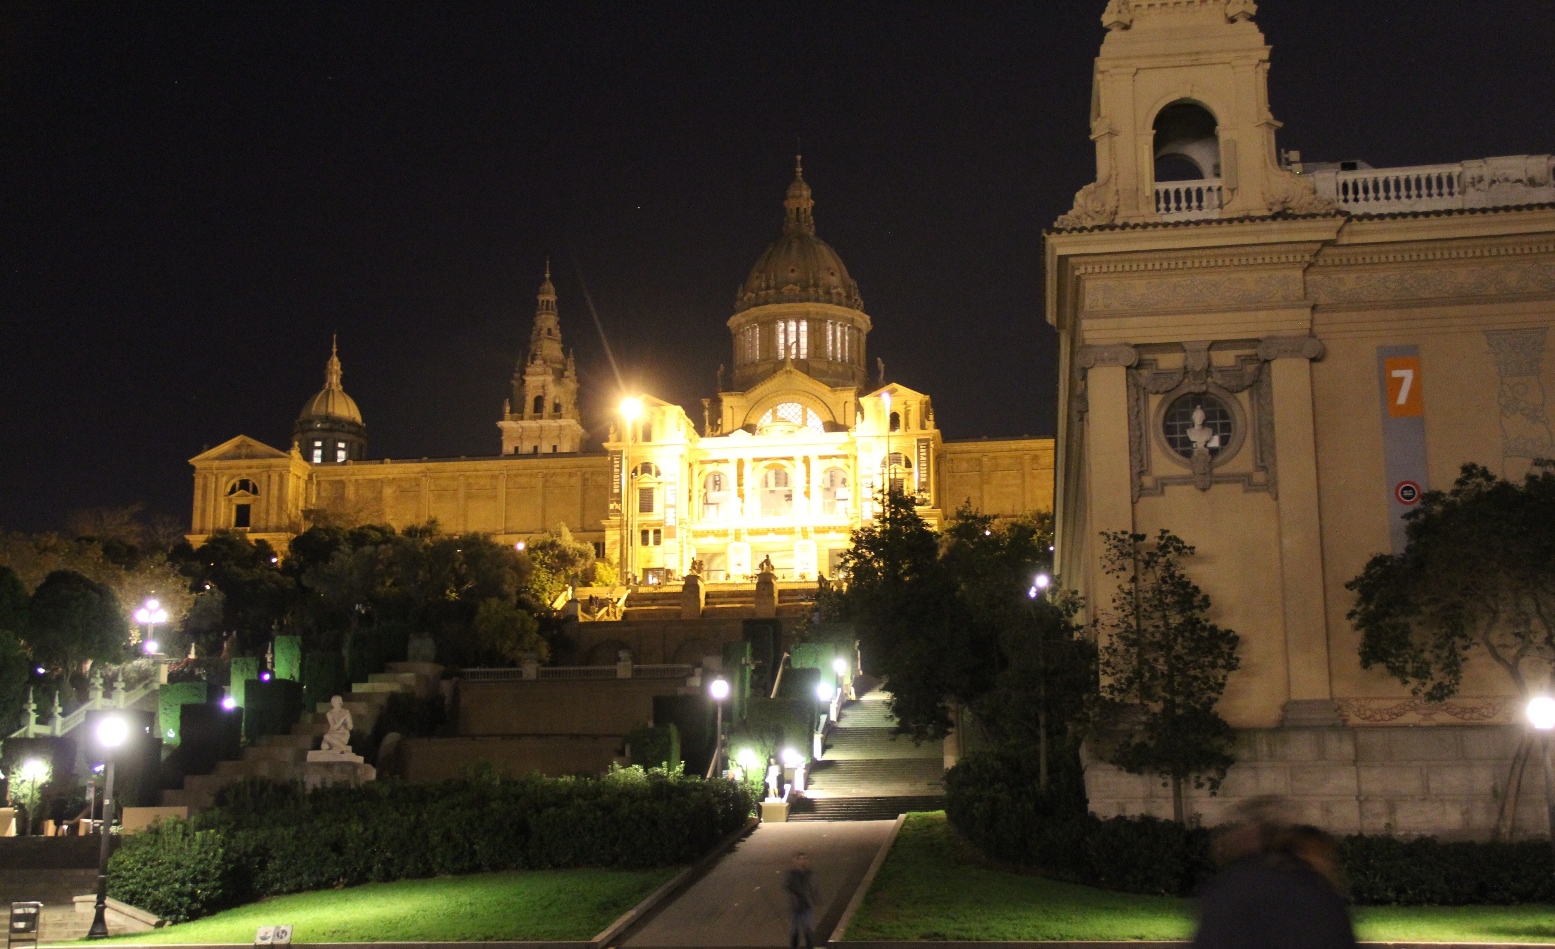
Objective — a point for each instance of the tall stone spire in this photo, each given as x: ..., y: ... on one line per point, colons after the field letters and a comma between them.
x: 542, y: 416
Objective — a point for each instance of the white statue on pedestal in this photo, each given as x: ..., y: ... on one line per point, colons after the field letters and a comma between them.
x: 338, y: 738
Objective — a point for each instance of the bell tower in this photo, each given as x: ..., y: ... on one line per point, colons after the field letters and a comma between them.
x: 544, y: 419
x: 1180, y: 117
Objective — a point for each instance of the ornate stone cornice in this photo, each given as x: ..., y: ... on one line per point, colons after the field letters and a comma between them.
x: 1090, y: 268
x: 1352, y: 258
x: 1092, y: 357
x: 1271, y: 348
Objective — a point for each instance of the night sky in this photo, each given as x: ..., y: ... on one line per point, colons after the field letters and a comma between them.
x: 196, y: 196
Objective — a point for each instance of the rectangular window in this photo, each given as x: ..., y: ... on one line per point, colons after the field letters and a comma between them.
x: 644, y: 500
x: 553, y: 449
x: 340, y: 452
x: 599, y: 550
x: 658, y: 537
x: 782, y: 338
x: 647, y: 535
x: 318, y: 456
x: 240, y: 515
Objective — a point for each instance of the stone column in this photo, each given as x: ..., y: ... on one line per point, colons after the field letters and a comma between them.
x: 1311, y: 701
x: 1109, y: 469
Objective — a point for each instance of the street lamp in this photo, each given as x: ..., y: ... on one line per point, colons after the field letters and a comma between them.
x: 1541, y: 715
x: 35, y: 771
x: 719, y: 690
x: 149, y: 616
x: 839, y: 665
x: 631, y: 409
x: 112, y: 731
x: 1038, y: 588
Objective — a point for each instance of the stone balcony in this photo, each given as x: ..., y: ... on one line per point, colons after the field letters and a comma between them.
x: 1188, y: 200
x: 1482, y: 183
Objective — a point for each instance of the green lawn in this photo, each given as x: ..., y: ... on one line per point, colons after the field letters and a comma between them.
x: 521, y: 905
x: 935, y: 886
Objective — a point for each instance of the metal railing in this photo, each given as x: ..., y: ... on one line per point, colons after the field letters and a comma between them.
x: 543, y: 673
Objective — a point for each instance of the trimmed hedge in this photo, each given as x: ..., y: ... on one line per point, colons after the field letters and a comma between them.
x: 265, y: 838
x: 992, y: 800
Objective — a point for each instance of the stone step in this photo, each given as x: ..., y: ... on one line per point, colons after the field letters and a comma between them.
x: 862, y: 808
x: 431, y: 670
x: 389, y: 687
x: 877, y: 743
x: 277, y: 753
x: 194, y: 800
x: 876, y: 778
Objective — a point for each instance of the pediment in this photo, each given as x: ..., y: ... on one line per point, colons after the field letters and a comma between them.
x: 241, y: 448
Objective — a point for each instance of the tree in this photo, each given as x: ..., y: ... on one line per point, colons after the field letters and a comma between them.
x: 1477, y: 575
x: 509, y: 632
x: 1164, y: 666
x: 559, y: 562
x: 911, y: 625
x: 73, y: 621
x: 15, y: 667
x: 948, y: 620
x: 133, y: 573
x: 257, y: 595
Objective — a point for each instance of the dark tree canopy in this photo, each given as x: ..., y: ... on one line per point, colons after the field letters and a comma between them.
x: 948, y: 619
x: 1477, y: 575
x: 72, y: 622
x: 1164, y: 666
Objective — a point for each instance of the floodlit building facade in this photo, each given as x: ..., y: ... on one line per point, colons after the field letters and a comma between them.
x: 787, y: 460
x: 1274, y: 360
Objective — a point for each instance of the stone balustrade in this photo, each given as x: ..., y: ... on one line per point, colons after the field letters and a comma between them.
x: 1482, y: 183
x: 1188, y: 200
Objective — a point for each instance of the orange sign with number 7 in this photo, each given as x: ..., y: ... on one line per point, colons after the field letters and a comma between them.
x: 1404, y: 386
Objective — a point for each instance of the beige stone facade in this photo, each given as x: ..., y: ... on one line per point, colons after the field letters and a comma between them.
x: 788, y: 460
x: 1274, y: 359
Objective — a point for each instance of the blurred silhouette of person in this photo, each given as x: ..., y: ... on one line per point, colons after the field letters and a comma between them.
x: 1279, y: 887
x: 799, y: 884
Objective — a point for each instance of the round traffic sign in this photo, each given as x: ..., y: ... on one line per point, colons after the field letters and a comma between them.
x: 1407, y: 492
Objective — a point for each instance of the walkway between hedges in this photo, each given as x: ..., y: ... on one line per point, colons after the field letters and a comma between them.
x: 740, y: 901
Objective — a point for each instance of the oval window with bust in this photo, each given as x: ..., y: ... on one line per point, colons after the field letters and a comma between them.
x: 1198, y: 420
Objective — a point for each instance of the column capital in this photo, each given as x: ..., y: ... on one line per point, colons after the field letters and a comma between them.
x: 1271, y: 348
x: 1121, y: 354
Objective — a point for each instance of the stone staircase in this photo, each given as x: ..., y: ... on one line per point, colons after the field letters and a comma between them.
x: 283, y: 757
x: 870, y: 773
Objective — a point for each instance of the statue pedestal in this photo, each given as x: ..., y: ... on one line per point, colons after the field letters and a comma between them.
x: 334, y: 767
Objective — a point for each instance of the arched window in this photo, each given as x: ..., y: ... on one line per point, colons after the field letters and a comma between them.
x: 539, y: 405
x: 716, y: 499
x: 792, y: 413
x: 1187, y: 143
x: 777, y: 495
x: 243, y: 486
x: 834, y: 493
x: 898, y: 468
x: 647, y: 470
x: 896, y: 421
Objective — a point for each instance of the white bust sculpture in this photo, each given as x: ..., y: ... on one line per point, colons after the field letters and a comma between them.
x: 338, y: 737
x: 1202, y: 436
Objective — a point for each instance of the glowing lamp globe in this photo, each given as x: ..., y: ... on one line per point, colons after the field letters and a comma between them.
x: 824, y: 691
x: 112, y: 731
x: 718, y: 689
x: 229, y: 703
x: 839, y: 666
x: 746, y: 758
x: 1541, y: 712
x: 34, y: 770
x: 791, y: 758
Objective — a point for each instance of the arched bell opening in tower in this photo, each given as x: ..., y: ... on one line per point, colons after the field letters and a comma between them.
x: 1187, y: 143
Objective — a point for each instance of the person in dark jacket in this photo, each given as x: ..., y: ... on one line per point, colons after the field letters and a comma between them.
x: 799, y: 884
x: 1280, y: 888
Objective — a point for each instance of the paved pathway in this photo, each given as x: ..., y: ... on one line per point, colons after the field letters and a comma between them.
x: 740, y: 901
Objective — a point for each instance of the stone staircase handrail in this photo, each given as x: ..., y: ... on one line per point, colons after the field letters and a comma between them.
x: 61, y: 724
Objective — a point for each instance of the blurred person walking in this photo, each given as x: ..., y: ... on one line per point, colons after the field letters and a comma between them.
x: 803, y: 895
x: 1279, y: 887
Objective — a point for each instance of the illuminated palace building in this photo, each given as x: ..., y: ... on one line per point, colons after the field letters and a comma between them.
x: 790, y: 459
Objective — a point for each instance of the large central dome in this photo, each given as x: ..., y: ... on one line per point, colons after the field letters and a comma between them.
x: 798, y: 267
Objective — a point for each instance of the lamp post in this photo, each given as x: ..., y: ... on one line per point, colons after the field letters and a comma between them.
x: 1038, y: 588
x: 719, y: 690
x: 112, y: 732
x: 34, y: 772
x: 630, y: 410
x: 149, y: 616
x: 1541, y: 715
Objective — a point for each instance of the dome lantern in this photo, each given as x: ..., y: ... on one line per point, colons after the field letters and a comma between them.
x: 329, y: 430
